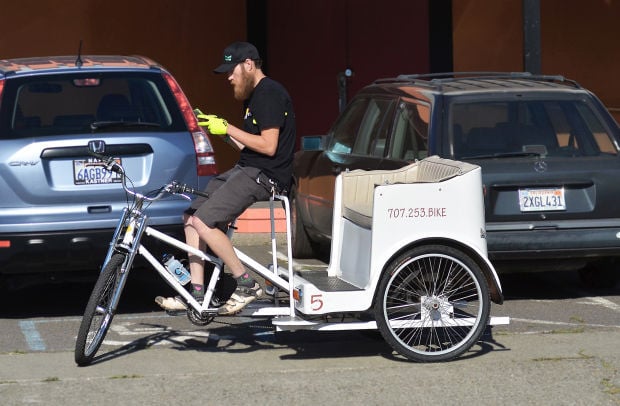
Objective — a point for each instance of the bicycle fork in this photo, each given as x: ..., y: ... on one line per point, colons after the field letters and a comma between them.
x: 124, y: 242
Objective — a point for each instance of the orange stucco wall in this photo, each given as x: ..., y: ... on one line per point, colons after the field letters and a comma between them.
x: 310, y: 42
x: 187, y: 37
x: 578, y: 40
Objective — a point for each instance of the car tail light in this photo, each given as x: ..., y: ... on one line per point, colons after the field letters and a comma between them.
x: 87, y: 82
x: 205, y: 156
x: 1, y: 88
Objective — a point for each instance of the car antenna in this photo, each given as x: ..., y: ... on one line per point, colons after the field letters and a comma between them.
x: 78, y: 61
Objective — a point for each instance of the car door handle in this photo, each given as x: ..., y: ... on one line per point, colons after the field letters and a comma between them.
x: 545, y: 227
x: 99, y: 209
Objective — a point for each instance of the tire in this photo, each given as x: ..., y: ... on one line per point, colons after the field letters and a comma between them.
x: 302, y: 247
x: 601, y: 274
x: 432, y: 304
x: 99, y: 311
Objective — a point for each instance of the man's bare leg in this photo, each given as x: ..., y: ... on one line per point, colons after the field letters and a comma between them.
x: 196, y: 264
x: 196, y: 267
x: 219, y: 243
x: 221, y: 246
x: 199, y: 235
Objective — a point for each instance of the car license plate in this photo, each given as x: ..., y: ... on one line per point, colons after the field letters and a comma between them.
x: 93, y: 172
x: 542, y: 199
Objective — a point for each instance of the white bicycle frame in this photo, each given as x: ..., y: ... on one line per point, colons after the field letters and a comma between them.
x: 272, y: 275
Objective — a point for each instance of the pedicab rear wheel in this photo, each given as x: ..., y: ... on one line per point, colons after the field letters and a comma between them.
x: 432, y: 303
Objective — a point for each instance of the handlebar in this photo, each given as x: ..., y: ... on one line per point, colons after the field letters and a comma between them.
x: 171, y: 188
x: 180, y: 188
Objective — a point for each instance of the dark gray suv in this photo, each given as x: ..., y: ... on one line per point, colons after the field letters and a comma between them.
x: 58, y: 205
x: 548, y: 149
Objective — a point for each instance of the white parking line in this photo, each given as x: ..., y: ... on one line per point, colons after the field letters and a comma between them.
x: 601, y: 301
x: 121, y: 329
x: 162, y: 336
x: 590, y: 301
x: 33, y: 338
x: 560, y: 323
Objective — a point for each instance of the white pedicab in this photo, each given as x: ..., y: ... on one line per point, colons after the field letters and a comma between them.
x: 408, y: 257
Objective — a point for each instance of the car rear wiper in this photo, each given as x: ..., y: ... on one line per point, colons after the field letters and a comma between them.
x: 502, y: 155
x: 98, y: 125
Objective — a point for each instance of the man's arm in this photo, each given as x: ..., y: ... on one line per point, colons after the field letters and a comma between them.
x: 265, y: 143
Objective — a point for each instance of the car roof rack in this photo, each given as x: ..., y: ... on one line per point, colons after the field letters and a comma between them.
x: 436, y: 80
x: 51, y: 63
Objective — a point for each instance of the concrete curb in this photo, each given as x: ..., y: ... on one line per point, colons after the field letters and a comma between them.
x: 257, y: 238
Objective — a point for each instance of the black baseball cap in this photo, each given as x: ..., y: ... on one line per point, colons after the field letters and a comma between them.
x: 235, y: 53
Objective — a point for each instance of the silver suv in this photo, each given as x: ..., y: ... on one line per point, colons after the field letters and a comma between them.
x: 58, y: 205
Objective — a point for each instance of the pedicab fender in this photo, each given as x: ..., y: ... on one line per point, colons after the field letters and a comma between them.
x: 490, y: 274
x: 495, y: 286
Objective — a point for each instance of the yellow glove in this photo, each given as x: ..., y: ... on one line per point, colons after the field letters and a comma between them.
x: 203, y: 119
x: 215, y: 125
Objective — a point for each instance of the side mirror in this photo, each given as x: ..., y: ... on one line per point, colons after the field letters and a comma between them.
x: 313, y: 142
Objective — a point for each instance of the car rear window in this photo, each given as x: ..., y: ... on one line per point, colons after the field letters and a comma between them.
x: 70, y: 104
x: 568, y: 128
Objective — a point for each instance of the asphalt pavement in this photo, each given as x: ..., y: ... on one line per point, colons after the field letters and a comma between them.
x: 561, y: 348
x: 345, y: 369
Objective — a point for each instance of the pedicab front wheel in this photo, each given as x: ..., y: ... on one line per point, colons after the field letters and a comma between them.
x: 99, y: 311
x: 432, y: 303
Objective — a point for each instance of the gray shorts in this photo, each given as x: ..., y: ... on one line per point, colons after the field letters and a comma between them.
x: 230, y: 193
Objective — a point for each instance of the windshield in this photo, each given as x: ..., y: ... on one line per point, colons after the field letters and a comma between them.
x: 528, y: 128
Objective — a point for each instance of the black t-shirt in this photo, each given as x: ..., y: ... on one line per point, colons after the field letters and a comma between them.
x: 270, y: 106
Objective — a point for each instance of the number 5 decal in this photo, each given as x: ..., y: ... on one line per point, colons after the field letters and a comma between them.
x: 316, y: 301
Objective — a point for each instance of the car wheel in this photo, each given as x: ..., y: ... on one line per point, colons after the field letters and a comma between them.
x: 600, y: 274
x: 302, y: 246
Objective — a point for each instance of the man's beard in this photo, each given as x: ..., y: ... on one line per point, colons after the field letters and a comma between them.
x: 244, y: 88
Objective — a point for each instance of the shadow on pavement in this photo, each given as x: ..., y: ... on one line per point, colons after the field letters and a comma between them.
x: 70, y: 298
x: 243, y: 338
x: 552, y: 285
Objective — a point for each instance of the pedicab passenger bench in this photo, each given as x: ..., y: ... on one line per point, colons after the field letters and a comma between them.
x: 378, y: 213
x: 359, y: 186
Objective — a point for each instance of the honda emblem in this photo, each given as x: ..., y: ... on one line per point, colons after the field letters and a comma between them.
x: 96, y: 146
